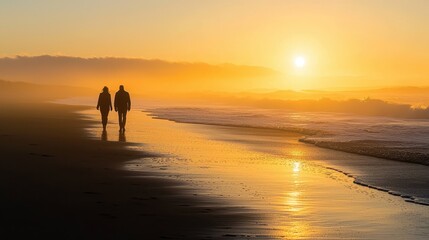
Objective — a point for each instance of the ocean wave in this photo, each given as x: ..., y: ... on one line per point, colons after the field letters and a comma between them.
x: 393, y: 139
x: 381, y: 149
x: 403, y: 140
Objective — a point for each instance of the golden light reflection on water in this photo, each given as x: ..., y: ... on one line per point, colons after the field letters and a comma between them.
x: 292, y: 201
x: 295, y: 198
x: 296, y: 227
x: 244, y: 177
x: 296, y: 167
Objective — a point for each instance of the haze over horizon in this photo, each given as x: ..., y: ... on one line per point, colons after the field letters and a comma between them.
x: 141, y: 75
x: 343, y: 44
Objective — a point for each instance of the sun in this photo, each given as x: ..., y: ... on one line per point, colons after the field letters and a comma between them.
x: 299, y: 61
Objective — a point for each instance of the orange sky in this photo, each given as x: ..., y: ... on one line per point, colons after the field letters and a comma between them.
x: 362, y: 43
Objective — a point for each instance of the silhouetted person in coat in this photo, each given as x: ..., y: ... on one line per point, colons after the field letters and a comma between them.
x: 105, y: 106
x: 122, y: 106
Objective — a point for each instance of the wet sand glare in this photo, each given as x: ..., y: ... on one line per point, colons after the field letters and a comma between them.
x: 293, y: 195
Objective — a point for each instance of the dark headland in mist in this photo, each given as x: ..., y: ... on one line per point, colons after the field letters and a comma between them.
x: 24, y: 92
x: 142, y: 75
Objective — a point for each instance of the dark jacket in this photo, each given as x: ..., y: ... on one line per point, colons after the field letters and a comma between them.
x: 104, y: 102
x: 122, y: 101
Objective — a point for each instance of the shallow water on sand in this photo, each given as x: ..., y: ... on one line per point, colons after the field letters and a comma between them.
x: 292, y: 193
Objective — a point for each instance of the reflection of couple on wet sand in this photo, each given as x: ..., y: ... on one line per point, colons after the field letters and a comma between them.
x: 122, y: 104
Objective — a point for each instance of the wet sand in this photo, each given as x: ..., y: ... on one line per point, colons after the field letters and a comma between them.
x: 57, y: 183
x: 170, y: 181
x: 273, y: 176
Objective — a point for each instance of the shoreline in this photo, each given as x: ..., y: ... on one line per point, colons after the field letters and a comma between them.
x: 275, y: 176
x: 356, y: 180
x: 56, y: 181
x: 371, y: 148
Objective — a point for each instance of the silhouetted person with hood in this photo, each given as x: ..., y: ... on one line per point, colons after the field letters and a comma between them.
x: 122, y: 106
x: 105, y: 106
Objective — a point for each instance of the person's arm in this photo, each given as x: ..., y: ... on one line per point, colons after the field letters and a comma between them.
x: 115, y: 102
x: 129, y: 102
x: 110, y: 103
x: 98, y: 103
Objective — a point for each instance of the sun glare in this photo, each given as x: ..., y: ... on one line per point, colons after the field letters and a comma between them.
x: 299, y: 61
x: 296, y: 167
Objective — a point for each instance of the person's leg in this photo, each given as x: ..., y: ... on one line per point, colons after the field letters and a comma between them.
x: 104, y: 119
x: 120, y: 120
x: 124, y: 120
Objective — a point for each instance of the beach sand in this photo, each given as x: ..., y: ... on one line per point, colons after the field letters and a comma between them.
x: 56, y: 182
x: 62, y: 177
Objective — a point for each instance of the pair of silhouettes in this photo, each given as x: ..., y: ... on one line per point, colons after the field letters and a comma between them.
x: 122, y: 104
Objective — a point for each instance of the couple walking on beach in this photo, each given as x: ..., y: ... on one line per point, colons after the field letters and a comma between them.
x: 122, y: 104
